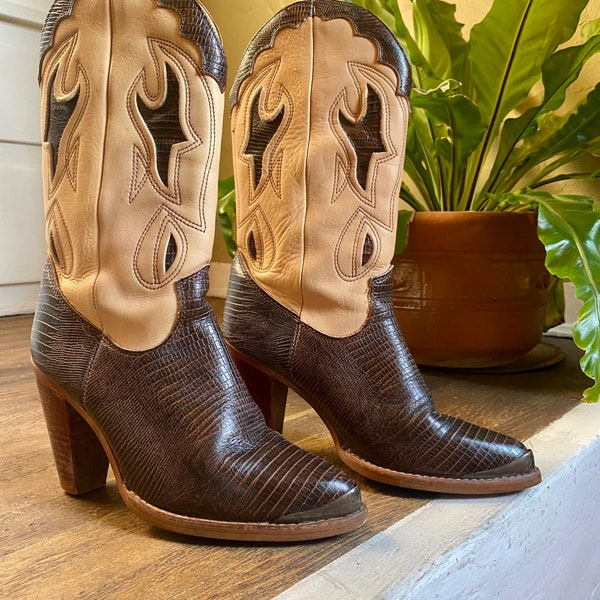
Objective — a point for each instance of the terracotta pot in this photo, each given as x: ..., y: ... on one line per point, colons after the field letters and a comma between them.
x: 470, y: 288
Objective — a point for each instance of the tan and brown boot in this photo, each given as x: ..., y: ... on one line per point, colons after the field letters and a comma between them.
x: 320, y: 109
x: 131, y: 366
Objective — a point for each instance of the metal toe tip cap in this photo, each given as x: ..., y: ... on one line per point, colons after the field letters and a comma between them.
x: 348, y: 504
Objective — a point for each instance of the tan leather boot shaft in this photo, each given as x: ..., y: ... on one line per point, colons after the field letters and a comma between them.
x: 130, y: 164
x: 318, y: 135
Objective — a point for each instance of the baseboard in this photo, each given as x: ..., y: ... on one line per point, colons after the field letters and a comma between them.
x: 18, y: 298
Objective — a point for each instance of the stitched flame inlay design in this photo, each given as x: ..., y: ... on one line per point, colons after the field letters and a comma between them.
x: 163, y: 123
x: 316, y: 217
x: 262, y: 132
x: 164, y: 160
x: 365, y: 135
x: 62, y: 110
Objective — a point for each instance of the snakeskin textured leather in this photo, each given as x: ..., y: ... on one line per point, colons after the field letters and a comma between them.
x: 182, y: 427
x: 366, y: 387
x: 131, y: 366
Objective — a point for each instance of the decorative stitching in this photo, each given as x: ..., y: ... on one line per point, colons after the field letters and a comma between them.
x: 59, y: 62
x: 263, y: 86
x: 171, y: 52
x: 252, y: 222
x: 357, y: 272
x: 138, y: 165
x: 73, y: 158
x: 275, y: 174
x: 174, y: 220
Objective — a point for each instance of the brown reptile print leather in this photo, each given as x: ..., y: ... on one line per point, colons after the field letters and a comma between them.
x: 184, y: 431
x: 315, y: 315
x: 366, y: 387
x: 141, y: 83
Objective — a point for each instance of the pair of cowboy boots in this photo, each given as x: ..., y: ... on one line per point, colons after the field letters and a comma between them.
x: 131, y: 366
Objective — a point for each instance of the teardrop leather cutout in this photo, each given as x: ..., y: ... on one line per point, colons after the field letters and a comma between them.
x: 367, y: 251
x: 259, y: 241
x: 54, y: 251
x: 170, y: 252
x: 59, y: 113
x: 59, y: 241
x: 160, y: 253
x: 252, y: 246
x: 358, y: 248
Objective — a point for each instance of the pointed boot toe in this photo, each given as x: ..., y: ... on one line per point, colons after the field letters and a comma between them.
x: 319, y: 120
x: 131, y: 366
x: 440, y: 453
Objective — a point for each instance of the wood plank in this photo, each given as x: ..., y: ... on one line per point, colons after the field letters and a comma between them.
x: 57, y: 546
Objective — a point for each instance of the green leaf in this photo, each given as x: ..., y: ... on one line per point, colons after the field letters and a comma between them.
x: 225, y: 186
x: 456, y: 114
x: 404, y: 219
x: 570, y: 177
x: 439, y: 36
x: 226, y: 212
x: 559, y: 71
x: 577, y: 133
x: 589, y: 29
x: 562, y: 68
x: 509, y: 47
x: 380, y: 8
x: 571, y: 235
x: 430, y: 41
x: 389, y: 12
x: 458, y: 130
x: 581, y: 127
x: 569, y: 228
x: 411, y: 199
x: 420, y: 162
x: 507, y: 50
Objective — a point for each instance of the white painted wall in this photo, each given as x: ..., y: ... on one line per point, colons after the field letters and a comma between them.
x: 22, y: 243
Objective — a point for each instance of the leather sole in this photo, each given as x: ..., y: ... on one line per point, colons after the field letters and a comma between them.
x: 82, y: 455
x: 474, y: 484
x: 446, y: 485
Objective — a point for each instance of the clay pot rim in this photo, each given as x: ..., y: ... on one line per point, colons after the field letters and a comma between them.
x: 475, y: 214
x: 472, y: 231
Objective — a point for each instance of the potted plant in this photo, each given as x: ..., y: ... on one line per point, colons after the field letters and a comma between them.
x: 480, y: 143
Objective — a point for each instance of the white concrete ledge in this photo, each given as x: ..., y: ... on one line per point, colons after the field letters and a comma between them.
x: 542, y: 544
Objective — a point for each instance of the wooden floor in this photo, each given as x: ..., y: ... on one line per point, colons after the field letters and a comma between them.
x: 56, y: 546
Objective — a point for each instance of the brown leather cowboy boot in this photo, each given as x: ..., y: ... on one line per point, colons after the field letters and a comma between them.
x: 320, y: 108
x: 130, y: 363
